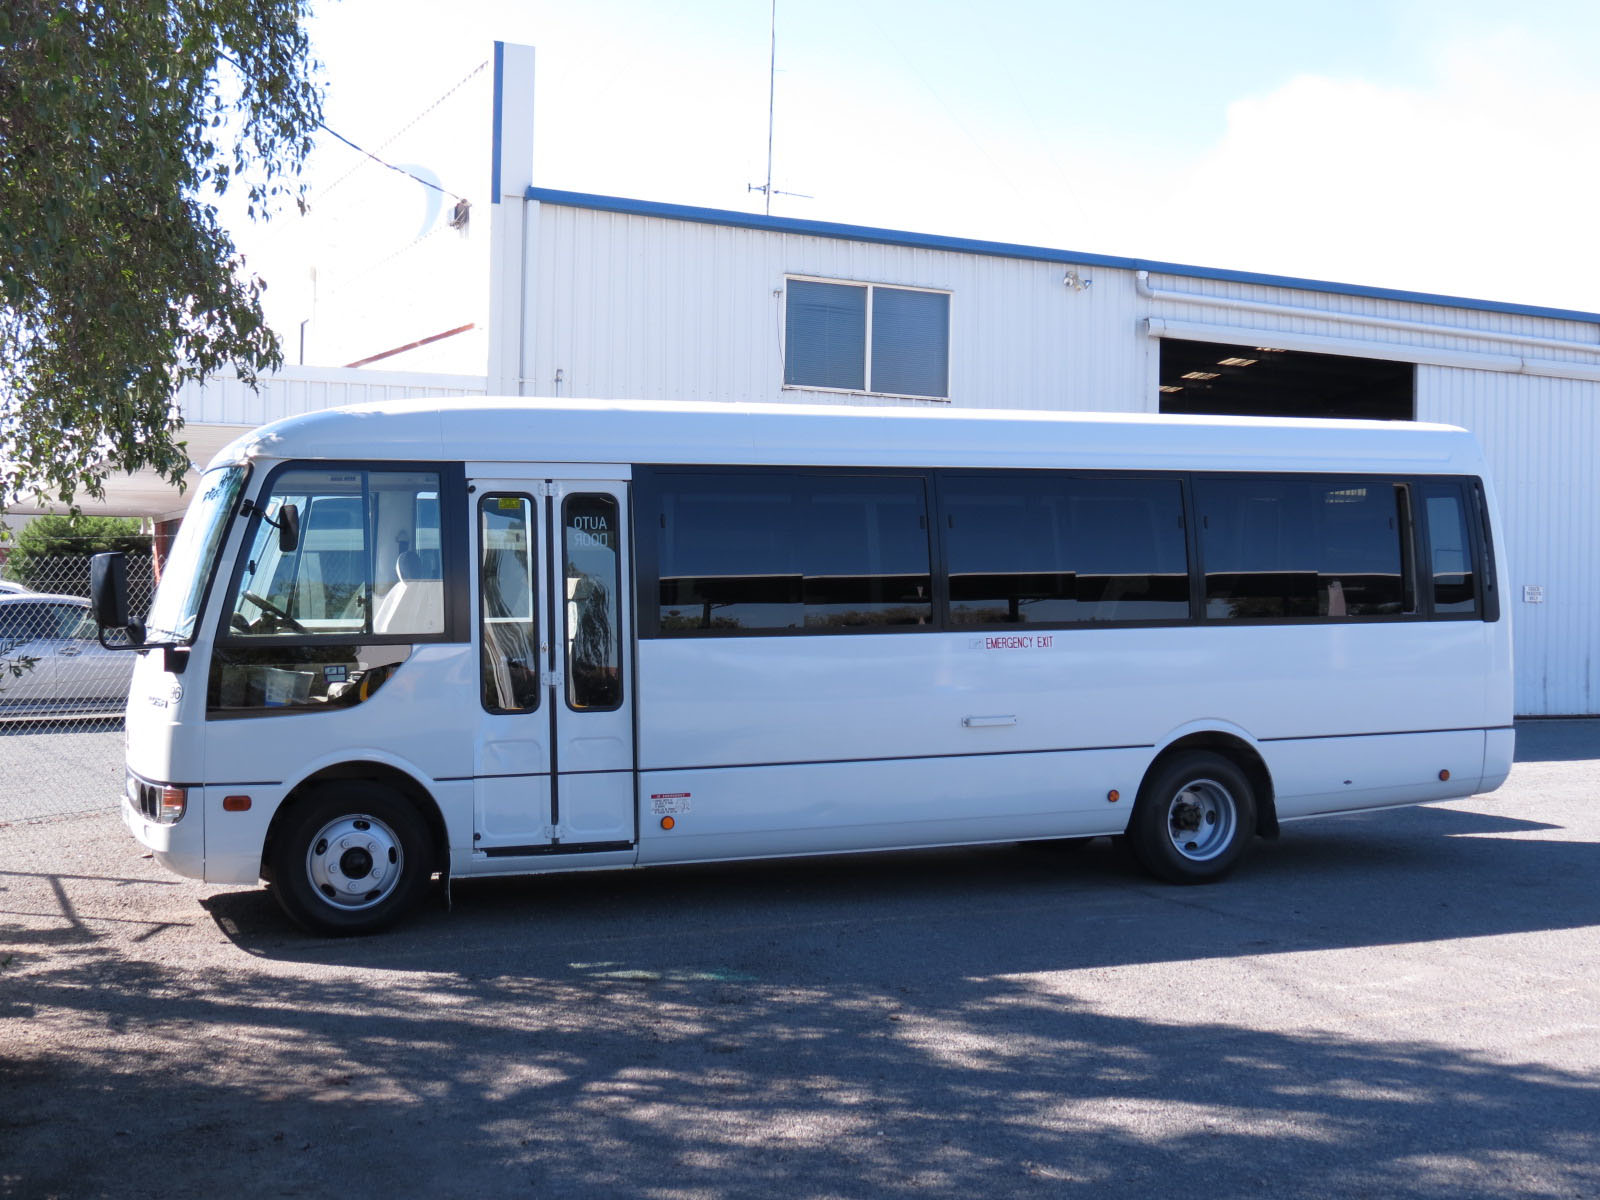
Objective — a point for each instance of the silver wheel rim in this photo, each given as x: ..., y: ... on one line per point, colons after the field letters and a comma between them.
x: 1202, y: 819
x: 355, y: 862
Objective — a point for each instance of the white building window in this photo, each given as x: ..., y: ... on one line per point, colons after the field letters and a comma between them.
x: 867, y: 337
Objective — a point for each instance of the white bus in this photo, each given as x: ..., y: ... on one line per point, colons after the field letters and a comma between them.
x: 469, y: 638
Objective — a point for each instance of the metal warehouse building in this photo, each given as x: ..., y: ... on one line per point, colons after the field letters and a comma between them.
x: 596, y: 296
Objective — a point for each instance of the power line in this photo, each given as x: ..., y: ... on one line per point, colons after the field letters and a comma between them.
x: 323, y: 125
x: 398, y: 133
x: 383, y: 163
x: 443, y: 96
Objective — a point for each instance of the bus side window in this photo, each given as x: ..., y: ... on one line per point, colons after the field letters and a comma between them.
x: 510, y: 615
x: 1044, y: 548
x: 1279, y: 547
x: 354, y: 570
x: 793, y: 551
x: 592, y: 587
x: 1450, y: 567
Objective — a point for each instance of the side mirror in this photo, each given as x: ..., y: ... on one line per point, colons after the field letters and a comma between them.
x: 108, y: 589
x: 108, y: 600
x: 288, y: 528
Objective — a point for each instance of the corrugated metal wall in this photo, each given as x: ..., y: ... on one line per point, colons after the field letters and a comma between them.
x: 292, y: 390
x: 640, y: 307
x: 1542, y: 439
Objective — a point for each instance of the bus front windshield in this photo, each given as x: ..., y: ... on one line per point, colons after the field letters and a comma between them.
x: 194, y: 556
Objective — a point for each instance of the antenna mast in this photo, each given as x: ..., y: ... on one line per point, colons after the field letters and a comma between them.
x: 772, y: 85
x: 772, y: 91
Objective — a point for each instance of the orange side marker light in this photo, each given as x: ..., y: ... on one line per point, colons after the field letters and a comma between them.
x: 667, y: 823
x: 236, y: 804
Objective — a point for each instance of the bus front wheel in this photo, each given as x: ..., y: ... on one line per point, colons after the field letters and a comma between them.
x: 352, y: 858
x: 1194, y: 818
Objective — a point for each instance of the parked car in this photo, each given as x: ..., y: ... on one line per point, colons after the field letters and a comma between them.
x: 72, y: 671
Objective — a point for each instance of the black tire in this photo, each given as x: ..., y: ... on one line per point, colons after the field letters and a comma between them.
x: 1194, y: 819
x: 385, y: 859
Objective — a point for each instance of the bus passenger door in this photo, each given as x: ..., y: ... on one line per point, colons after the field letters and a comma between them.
x: 554, y: 751
x: 512, y: 763
x: 593, y: 694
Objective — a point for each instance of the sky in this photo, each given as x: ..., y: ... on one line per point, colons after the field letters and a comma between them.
x: 1415, y: 144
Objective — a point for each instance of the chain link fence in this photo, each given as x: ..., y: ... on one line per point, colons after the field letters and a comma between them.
x: 61, y: 692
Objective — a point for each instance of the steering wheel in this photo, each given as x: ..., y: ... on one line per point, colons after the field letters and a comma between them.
x: 272, y: 610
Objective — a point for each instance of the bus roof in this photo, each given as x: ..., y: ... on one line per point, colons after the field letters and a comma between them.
x: 555, y: 431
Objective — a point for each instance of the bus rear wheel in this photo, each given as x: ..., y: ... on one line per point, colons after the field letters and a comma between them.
x: 352, y: 858
x: 1194, y: 818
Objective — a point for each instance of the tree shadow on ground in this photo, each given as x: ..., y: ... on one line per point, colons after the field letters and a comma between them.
x: 916, y: 1025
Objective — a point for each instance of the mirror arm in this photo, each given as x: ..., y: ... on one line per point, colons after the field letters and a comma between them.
x: 287, y: 524
x: 174, y: 656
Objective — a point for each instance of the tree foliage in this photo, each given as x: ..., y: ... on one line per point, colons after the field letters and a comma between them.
x: 121, y: 124
x: 51, y: 553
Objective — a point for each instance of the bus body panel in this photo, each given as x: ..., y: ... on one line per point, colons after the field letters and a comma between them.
x: 234, y: 839
x: 819, y: 808
x: 404, y: 718
x: 1499, y: 752
x: 1315, y: 776
x: 759, y: 701
x: 164, y: 721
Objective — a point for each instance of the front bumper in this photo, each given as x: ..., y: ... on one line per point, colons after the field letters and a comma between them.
x: 179, y: 847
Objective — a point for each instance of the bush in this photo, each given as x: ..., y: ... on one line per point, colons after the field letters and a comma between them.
x: 51, y: 554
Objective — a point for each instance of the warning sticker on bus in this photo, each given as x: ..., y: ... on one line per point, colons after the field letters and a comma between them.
x: 664, y: 804
x: 1014, y: 641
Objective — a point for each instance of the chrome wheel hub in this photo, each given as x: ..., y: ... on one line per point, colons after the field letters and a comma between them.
x: 355, y: 862
x: 1202, y: 820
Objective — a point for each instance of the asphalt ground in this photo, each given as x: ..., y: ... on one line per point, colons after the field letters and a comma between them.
x: 1404, y: 1003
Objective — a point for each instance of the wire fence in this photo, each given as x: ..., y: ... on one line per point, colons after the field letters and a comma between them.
x: 61, y: 692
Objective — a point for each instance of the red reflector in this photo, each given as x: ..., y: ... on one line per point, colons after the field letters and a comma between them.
x: 236, y: 803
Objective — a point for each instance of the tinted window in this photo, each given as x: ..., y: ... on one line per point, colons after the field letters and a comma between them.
x: 66, y: 620
x: 1036, y: 548
x: 592, y: 544
x: 792, y: 551
x: 510, y: 615
x: 1449, y: 550
x: 1280, y: 547
x: 23, y: 621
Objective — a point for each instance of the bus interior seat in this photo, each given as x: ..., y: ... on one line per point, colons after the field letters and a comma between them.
x: 415, y: 604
